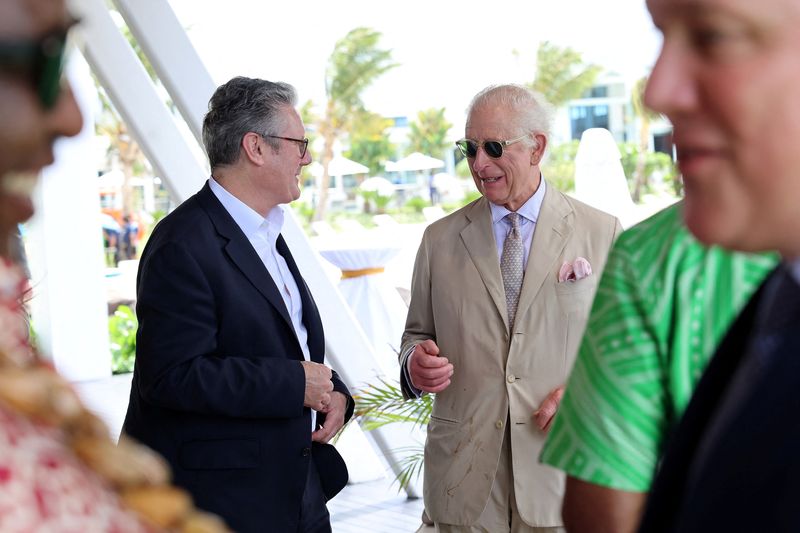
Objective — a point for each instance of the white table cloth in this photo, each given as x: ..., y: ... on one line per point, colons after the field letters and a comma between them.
x: 377, y: 305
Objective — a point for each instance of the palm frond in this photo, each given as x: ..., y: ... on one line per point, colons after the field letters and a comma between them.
x: 383, y: 403
x: 410, y: 466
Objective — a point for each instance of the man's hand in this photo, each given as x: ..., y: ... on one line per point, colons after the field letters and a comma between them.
x: 545, y: 413
x: 334, y: 418
x: 428, y: 371
x: 318, y: 385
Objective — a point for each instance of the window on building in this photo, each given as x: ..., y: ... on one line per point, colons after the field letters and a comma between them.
x: 584, y: 117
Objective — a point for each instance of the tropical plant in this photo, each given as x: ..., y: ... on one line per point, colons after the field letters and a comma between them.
x: 417, y: 203
x: 304, y: 209
x: 558, y: 166
x: 310, y: 119
x: 369, y: 141
x: 655, y: 165
x: 356, y: 62
x: 428, y: 133
x: 561, y: 74
x: 645, y: 116
x: 122, y: 335
x: 122, y: 147
x: 382, y: 404
x: 462, y: 168
x: 374, y: 197
x: 471, y: 196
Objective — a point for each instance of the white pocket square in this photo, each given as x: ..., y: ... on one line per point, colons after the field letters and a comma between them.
x: 578, y: 269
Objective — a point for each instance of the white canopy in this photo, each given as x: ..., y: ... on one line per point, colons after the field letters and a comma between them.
x: 380, y: 184
x: 415, y: 161
x: 338, y: 166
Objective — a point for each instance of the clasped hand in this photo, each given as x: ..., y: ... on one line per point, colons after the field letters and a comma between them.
x: 429, y: 371
x: 318, y: 386
x: 321, y: 397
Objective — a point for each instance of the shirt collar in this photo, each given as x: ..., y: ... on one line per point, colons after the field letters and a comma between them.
x: 529, y: 210
x: 245, y: 217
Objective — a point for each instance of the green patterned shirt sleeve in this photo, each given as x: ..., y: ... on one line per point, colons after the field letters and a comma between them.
x: 662, y: 305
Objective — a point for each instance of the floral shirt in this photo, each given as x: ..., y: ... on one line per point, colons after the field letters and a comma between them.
x: 43, y: 486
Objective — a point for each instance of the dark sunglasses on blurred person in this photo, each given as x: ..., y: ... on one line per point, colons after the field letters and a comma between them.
x: 493, y: 149
x: 41, y: 61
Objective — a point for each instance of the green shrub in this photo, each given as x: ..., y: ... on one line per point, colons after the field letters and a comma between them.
x: 471, y: 196
x: 417, y: 204
x: 375, y: 198
x: 659, y: 169
x: 122, y: 334
x: 558, y: 166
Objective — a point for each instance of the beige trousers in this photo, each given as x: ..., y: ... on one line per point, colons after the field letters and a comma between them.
x: 501, y: 514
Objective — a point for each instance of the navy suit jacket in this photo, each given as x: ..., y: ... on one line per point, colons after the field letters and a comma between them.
x: 750, y: 476
x: 218, y: 386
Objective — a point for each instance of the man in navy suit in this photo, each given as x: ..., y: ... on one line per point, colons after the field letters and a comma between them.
x: 230, y: 384
x: 727, y: 78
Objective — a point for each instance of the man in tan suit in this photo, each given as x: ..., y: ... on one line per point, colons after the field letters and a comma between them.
x: 491, y: 328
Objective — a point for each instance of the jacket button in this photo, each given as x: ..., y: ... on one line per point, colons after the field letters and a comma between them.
x: 499, y: 424
x: 306, y: 452
x: 511, y: 378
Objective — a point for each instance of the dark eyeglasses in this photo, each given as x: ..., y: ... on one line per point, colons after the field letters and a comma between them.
x: 41, y: 61
x: 493, y: 149
x: 303, y: 143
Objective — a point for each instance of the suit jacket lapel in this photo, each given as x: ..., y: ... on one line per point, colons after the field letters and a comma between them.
x: 241, y: 252
x: 311, y: 318
x: 553, y: 229
x: 478, y: 238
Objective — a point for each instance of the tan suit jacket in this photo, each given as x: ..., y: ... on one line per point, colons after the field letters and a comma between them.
x: 457, y: 299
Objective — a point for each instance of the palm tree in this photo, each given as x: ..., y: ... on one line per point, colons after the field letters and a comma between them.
x: 369, y: 141
x: 122, y: 145
x: 356, y: 62
x: 561, y: 74
x: 429, y: 132
x: 645, y: 116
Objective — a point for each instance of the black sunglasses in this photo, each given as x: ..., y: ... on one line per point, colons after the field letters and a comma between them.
x: 303, y: 142
x: 41, y: 61
x: 493, y: 149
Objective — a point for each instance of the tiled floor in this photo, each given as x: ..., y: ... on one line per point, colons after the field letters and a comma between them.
x: 371, y: 507
x: 376, y: 507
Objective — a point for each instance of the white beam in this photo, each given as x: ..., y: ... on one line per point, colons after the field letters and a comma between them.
x: 122, y: 75
x: 65, y: 249
x: 180, y: 69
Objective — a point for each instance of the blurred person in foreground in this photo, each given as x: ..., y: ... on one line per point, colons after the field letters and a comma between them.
x: 664, y: 302
x: 727, y: 78
x: 229, y: 382
x: 59, y: 468
x: 500, y: 294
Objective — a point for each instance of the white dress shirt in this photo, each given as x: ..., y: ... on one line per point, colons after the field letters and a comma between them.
x: 263, y: 235
x: 529, y: 214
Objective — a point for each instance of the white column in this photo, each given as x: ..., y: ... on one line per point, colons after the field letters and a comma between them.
x: 65, y: 249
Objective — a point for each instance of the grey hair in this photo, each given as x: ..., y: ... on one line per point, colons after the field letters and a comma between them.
x: 530, y: 112
x: 240, y: 106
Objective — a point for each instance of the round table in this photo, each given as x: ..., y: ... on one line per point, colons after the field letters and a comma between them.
x: 379, y: 308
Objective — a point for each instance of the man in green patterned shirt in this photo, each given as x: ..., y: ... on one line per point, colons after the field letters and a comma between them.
x: 663, y: 304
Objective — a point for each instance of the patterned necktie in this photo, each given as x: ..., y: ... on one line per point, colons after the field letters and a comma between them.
x: 511, y: 266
